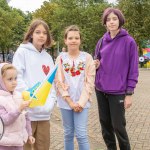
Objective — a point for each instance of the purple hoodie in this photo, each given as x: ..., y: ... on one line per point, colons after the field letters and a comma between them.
x: 118, y: 71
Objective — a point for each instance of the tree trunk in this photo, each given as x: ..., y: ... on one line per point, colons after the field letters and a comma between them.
x: 3, y: 53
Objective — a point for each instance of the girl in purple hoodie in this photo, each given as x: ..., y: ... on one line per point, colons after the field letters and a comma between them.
x: 116, y: 77
x: 17, y: 127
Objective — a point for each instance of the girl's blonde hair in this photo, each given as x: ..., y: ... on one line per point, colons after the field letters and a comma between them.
x: 71, y: 28
x: 34, y: 24
x: 5, y: 68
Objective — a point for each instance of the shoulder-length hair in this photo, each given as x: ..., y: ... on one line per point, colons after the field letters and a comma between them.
x: 34, y: 24
x: 117, y: 12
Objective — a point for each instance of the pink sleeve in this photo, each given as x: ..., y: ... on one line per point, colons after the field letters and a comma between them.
x: 88, y: 82
x: 28, y: 125
x: 61, y: 87
x: 8, y: 117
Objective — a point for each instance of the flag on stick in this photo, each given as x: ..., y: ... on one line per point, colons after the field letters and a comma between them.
x: 40, y: 91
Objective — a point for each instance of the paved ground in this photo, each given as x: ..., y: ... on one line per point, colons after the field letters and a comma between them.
x: 138, y: 120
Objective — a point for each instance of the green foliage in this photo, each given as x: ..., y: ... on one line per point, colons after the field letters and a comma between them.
x: 137, y: 18
x: 20, y: 27
x: 4, y: 5
x: 12, y: 25
x: 5, y: 29
x: 46, y: 12
x: 86, y: 14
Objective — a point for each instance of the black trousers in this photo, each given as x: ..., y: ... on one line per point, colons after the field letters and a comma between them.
x: 112, y: 120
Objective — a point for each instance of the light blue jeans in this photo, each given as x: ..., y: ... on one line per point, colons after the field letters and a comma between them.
x: 75, y: 123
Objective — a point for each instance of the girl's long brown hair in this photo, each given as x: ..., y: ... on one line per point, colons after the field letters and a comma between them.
x: 34, y: 24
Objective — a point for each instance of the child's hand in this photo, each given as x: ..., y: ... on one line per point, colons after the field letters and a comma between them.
x: 78, y: 108
x: 72, y: 104
x: 24, y: 105
x: 96, y: 63
x: 127, y: 102
x: 31, y: 139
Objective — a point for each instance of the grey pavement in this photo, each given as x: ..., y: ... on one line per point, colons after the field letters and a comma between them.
x: 138, y: 120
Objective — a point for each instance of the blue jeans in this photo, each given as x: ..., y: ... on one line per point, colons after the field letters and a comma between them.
x: 75, y: 123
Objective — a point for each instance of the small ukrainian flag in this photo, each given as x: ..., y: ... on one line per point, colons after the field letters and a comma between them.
x: 39, y: 92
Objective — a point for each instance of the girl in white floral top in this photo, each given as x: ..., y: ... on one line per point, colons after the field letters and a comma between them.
x: 75, y: 84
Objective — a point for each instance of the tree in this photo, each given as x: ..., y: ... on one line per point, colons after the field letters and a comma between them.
x: 86, y: 14
x: 46, y: 12
x: 137, y: 18
x: 6, y: 23
x: 21, y: 23
x: 12, y: 26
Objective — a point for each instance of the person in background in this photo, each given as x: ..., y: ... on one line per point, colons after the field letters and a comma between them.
x: 75, y: 84
x: 1, y: 60
x: 116, y: 78
x: 33, y: 64
x: 64, y: 49
x: 17, y: 125
x: 10, y: 56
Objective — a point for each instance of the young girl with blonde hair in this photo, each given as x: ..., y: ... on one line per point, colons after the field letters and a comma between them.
x: 17, y: 127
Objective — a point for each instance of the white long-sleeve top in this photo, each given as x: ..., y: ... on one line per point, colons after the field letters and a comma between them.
x: 75, y: 79
x: 32, y: 67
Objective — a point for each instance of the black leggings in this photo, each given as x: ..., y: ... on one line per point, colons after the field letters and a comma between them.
x: 112, y: 120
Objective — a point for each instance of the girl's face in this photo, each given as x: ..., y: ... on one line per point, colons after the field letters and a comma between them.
x: 73, y: 40
x: 10, y: 79
x: 112, y: 22
x: 39, y: 37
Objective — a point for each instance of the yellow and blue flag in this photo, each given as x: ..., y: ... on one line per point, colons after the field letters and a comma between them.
x: 40, y: 91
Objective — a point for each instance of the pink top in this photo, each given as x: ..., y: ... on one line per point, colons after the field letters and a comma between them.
x: 17, y: 125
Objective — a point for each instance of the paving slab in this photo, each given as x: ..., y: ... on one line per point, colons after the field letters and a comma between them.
x: 137, y: 117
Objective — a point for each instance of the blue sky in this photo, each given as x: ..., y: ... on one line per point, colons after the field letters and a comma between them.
x: 30, y: 5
